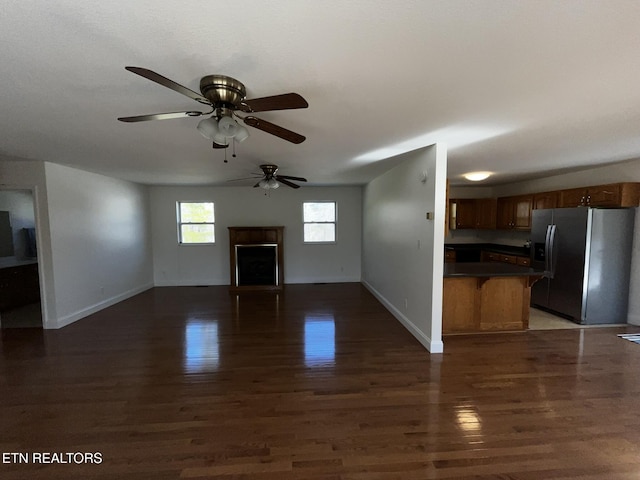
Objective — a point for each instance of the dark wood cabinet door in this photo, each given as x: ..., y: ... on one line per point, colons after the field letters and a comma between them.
x: 603, y: 196
x: 486, y: 213
x: 465, y: 213
x: 574, y: 197
x: 545, y: 200
x: 505, y: 213
x: 522, y: 212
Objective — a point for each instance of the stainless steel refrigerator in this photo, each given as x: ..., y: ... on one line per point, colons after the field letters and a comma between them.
x: 586, y: 254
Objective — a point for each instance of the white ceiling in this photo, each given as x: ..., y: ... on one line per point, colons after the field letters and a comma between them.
x: 518, y: 88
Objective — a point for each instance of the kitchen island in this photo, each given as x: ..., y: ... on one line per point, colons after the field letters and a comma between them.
x: 486, y: 297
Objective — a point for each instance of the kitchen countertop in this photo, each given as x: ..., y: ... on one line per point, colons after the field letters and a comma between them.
x: 12, y: 262
x: 488, y: 269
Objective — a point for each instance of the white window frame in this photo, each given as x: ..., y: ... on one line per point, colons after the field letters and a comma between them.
x: 180, y: 223
x: 335, y: 224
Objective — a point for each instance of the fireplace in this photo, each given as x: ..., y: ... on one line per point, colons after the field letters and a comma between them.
x: 256, y: 265
x: 256, y: 258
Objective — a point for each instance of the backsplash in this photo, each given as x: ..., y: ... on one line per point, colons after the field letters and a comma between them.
x: 501, y: 237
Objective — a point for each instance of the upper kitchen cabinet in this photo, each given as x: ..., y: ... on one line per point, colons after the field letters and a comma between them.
x: 514, y: 213
x: 473, y: 213
x: 545, y: 200
x: 463, y: 213
x: 612, y: 195
x: 486, y: 211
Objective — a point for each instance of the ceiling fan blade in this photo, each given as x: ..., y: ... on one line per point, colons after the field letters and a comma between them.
x: 287, y: 177
x: 274, y: 129
x: 165, y: 82
x: 239, y: 179
x: 257, y: 184
x: 288, y: 183
x: 285, y: 101
x: 161, y: 116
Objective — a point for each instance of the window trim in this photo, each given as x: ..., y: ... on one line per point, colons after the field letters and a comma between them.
x: 179, y: 223
x: 334, y: 223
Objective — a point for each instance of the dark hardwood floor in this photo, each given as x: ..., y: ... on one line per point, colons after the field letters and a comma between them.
x: 318, y: 382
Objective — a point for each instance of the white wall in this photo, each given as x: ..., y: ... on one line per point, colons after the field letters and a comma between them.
x: 403, y: 251
x: 176, y: 264
x: 19, y: 204
x: 100, y: 239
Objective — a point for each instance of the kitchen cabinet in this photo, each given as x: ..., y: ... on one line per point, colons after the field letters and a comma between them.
x: 486, y: 212
x: 505, y: 258
x: 449, y: 256
x: 545, y: 200
x: 19, y: 286
x: 463, y: 213
x: 476, y: 213
x: 514, y: 213
x: 610, y: 195
x: 495, y: 298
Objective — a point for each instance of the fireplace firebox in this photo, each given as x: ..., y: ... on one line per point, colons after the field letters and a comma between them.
x: 256, y: 265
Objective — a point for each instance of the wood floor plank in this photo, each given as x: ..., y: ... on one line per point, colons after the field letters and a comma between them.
x: 315, y: 382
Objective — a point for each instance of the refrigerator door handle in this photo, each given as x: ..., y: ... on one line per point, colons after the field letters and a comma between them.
x: 552, y: 250
x: 547, y: 250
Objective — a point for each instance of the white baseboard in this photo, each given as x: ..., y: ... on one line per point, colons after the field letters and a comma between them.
x: 189, y: 283
x: 293, y: 281
x: 432, y: 346
x: 633, y: 319
x: 309, y: 280
x: 85, y: 312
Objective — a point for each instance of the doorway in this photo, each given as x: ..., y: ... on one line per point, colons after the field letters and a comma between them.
x: 20, y: 305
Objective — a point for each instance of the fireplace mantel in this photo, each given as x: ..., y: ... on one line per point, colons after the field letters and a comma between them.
x: 243, y: 237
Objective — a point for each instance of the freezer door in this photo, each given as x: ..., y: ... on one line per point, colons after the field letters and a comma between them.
x: 540, y: 222
x: 609, y: 265
x: 568, y: 257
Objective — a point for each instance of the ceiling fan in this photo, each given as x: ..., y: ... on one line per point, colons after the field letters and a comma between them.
x: 269, y: 179
x: 225, y: 96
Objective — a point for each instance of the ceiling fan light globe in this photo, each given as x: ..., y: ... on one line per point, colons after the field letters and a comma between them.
x: 273, y: 183
x: 228, y: 126
x: 242, y: 135
x: 220, y: 139
x: 208, y: 128
x: 263, y: 184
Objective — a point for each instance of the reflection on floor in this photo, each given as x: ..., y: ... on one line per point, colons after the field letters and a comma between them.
x: 29, y: 316
x: 541, y: 320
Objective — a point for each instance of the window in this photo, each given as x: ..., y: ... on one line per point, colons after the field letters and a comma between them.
x: 196, y: 222
x: 319, y: 222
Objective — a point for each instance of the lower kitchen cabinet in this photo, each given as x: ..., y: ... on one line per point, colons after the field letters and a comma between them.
x: 505, y: 258
x: 19, y: 286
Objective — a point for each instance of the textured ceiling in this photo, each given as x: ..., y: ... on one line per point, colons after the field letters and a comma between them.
x: 516, y: 88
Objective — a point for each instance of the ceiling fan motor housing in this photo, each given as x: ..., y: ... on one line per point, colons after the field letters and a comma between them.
x: 269, y: 170
x: 223, y: 91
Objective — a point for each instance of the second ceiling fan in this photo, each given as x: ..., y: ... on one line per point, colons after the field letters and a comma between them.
x: 225, y: 96
x: 269, y: 178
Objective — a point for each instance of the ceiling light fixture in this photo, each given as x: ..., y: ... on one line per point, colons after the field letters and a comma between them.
x: 477, y: 176
x: 269, y: 184
x: 220, y: 131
